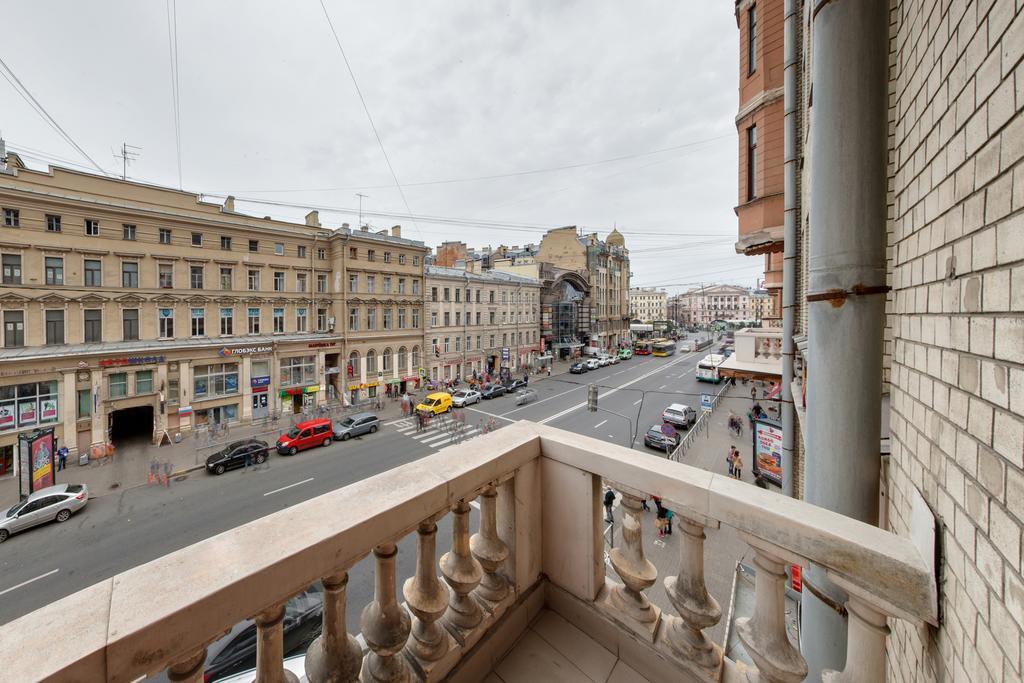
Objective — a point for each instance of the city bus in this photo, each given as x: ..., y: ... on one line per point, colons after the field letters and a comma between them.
x: 664, y: 347
x: 642, y: 347
x: 707, y: 368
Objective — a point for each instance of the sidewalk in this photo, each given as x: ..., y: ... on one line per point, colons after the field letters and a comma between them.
x: 723, y: 547
x: 129, y: 467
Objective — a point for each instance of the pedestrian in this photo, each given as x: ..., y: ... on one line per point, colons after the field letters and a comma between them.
x: 609, y: 500
x: 62, y: 458
x: 737, y: 465
x: 668, y: 521
x: 753, y: 393
x: 643, y: 502
x: 660, y: 520
x: 731, y: 459
x: 248, y: 461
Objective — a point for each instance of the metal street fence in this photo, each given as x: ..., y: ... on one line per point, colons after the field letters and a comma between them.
x: 699, y: 427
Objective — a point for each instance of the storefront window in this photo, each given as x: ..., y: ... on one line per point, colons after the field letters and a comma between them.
x: 84, y: 403
x: 6, y: 461
x: 172, y: 391
x: 24, y: 405
x: 118, y: 385
x: 300, y: 370
x: 143, y: 382
x: 219, y: 379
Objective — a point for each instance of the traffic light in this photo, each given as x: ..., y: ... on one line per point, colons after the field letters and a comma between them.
x: 592, y: 398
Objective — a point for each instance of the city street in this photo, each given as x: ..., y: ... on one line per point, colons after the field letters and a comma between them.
x: 124, y: 529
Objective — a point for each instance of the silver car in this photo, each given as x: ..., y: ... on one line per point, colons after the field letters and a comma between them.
x: 465, y: 397
x: 356, y: 425
x: 45, y: 505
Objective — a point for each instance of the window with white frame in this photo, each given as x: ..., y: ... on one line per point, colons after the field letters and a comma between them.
x: 278, y: 281
x: 321, y: 283
x: 401, y: 318
x: 130, y: 324
x: 300, y: 319
x: 227, y: 321
x: 195, y: 277
x: 254, y: 321
x: 198, y: 322
x: 165, y: 319
x: 353, y: 283
x: 143, y: 382
x: 300, y: 282
x: 371, y: 318
x: 415, y: 318
x: 93, y: 275
x: 254, y: 280
x: 165, y: 275
x: 387, y: 317
x: 300, y: 370
x: 278, y: 320
x: 353, y: 318
x: 92, y: 227
x: 54, y: 266
x: 117, y: 385
x: 321, y: 320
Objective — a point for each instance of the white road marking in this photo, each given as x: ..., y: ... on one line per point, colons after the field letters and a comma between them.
x: 283, y: 488
x: 611, y: 436
x: 500, y: 417
x: 25, y: 583
x: 544, y: 399
x: 600, y: 423
x: 612, y: 391
x: 662, y: 387
x: 636, y: 403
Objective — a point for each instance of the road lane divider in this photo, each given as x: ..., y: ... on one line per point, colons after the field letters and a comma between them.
x: 289, y: 486
x: 25, y: 583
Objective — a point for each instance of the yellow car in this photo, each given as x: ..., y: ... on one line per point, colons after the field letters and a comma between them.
x: 436, y: 403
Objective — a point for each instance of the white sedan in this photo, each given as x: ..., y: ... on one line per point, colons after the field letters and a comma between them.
x: 465, y: 397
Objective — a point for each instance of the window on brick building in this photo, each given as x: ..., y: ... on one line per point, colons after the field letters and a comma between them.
x: 751, y: 163
x: 751, y: 39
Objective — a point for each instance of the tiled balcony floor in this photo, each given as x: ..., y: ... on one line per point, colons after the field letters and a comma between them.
x: 553, y: 650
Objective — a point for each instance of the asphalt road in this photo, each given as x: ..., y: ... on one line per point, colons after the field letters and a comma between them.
x: 126, y: 529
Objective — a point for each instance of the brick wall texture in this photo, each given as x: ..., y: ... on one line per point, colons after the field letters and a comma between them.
x: 957, y: 372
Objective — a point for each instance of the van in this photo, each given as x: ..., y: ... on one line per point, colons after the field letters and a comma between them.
x: 318, y: 432
x: 436, y: 403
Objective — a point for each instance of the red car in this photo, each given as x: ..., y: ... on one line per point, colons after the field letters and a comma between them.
x: 305, y: 435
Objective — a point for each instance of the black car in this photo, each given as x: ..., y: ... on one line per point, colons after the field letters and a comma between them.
x: 236, y: 652
x: 513, y: 385
x: 233, y: 455
x: 578, y: 368
x: 493, y: 391
x: 655, y: 439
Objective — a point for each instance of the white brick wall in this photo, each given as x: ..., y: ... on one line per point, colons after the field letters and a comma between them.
x: 957, y: 376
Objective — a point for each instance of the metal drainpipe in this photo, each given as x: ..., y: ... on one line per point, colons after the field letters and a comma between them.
x: 792, y: 202
x: 846, y: 302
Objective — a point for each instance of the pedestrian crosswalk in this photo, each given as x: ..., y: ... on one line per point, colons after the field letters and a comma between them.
x: 440, y: 432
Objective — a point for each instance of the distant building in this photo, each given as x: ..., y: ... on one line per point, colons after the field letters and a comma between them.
x: 704, y: 305
x: 648, y: 304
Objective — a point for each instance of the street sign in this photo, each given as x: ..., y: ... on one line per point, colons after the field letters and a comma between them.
x: 668, y: 430
x: 705, y: 401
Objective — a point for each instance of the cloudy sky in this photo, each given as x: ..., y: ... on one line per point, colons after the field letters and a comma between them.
x: 517, y: 116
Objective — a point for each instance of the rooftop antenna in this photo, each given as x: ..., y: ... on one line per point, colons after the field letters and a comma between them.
x: 361, y: 195
x: 129, y: 153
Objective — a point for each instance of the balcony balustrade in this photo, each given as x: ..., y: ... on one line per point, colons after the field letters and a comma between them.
x: 539, y: 542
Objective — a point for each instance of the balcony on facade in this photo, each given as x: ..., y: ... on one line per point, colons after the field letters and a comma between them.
x: 539, y: 543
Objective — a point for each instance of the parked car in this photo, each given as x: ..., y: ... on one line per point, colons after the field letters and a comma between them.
x: 593, y: 364
x: 53, y: 503
x: 318, y: 432
x: 465, y: 397
x: 655, y: 439
x: 614, y: 359
x: 233, y: 455
x: 493, y: 391
x: 679, y: 415
x: 604, y: 360
x: 436, y: 403
x: 524, y: 396
x: 235, y: 653
x: 625, y: 354
x: 356, y: 425
x: 578, y: 368
x: 513, y: 385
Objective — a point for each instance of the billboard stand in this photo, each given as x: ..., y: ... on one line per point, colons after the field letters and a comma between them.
x: 767, y: 450
x: 36, y: 452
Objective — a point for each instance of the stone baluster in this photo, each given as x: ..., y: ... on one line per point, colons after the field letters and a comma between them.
x: 427, y: 599
x: 636, y: 571
x: 270, y: 647
x: 697, y: 609
x: 189, y: 669
x: 867, y: 629
x: 334, y: 656
x: 385, y: 624
x: 462, y: 572
x: 764, y: 634
x: 490, y: 551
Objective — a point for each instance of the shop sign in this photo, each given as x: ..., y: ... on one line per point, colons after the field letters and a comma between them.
x: 244, y: 350
x: 505, y: 355
x: 354, y: 387
x: 48, y: 409
x: 130, y: 360
x: 297, y: 391
x: 255, y: 382
x: 768, y: 451
x: 322, y: 345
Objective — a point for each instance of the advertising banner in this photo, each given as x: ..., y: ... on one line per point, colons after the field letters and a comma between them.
x: 768, y: 451
x: 36, y: 452
x: 7, y: 415
x: 48, y: 409
x: 27, y: 414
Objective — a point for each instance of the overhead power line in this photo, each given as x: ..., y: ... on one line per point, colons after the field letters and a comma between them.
x: 496, y: 176
x: 366, y: 109
x: 172, y: 46
x: 27, y: 95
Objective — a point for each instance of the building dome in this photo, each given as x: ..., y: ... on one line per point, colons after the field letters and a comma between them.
x: 616, y: 239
